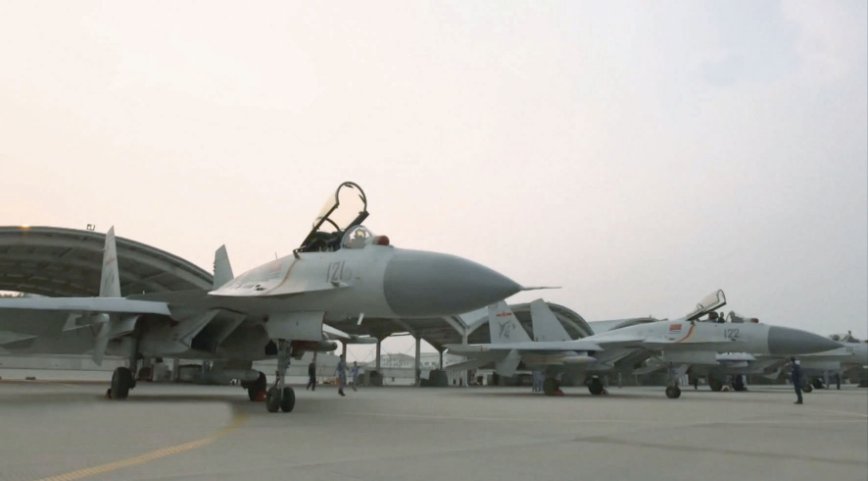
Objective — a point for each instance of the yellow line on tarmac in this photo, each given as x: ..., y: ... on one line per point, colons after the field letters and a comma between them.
x: 237, y: 421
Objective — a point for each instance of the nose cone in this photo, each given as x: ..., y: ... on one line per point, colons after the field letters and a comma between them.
x: 783, y: 340
x: 420, y: 284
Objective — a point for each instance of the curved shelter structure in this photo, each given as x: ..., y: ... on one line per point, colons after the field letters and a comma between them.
x: 55, y: 261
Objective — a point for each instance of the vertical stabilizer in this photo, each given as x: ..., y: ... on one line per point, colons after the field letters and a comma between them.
x: 110, y: 283
x: 504, y: 326
x: 109, y: 286
x: 222, y: 267
x: 546, y: 326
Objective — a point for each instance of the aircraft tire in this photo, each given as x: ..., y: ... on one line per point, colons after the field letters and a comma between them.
x: 122, y: 381
x: 715, y: 384
x: 807, y: 388
x: 272, y: 400
x: 551, y: 386
x: 595, y: 386
x: 673, y: 392
x: 287, y: 401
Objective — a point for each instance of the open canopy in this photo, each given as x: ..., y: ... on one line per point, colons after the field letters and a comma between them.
x: 347, y: 208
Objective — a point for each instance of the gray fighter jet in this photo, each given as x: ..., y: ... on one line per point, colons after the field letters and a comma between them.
x: 679, y: 343
x: 849, y: 360
x: 341, y: 270
x: 730, y: 368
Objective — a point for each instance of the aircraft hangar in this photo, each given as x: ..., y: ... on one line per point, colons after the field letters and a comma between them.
x: 55, y: 261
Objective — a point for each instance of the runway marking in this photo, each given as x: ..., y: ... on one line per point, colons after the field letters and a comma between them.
x: 718, y: 450
x: 237, y: 420
x: 842, y: 413
x: 500, y: 418
x: 591, y: 421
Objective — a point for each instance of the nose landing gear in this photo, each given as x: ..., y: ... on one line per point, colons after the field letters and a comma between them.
x: 281, y: 397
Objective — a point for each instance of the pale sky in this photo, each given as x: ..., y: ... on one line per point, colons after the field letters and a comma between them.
x: 638, y: 154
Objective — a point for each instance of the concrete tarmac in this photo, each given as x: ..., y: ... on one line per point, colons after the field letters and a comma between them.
x: 67, y: 431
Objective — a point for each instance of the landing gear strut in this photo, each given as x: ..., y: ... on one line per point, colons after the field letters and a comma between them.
x: 280, y: 396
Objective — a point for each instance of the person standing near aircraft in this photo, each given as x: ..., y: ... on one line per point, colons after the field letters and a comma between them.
x: 796, y: 377
x: 355, y: 375
x: 341, y: 372
x: 311, y: 375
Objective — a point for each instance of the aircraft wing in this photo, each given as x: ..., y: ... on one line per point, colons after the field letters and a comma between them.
x: 475, y: 363
x: 525, y: 346
x: 115, y: 305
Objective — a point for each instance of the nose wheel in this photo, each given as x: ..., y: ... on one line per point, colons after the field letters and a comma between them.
x: 675, y: 373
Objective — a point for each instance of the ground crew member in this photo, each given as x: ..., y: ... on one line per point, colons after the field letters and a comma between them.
x: 355, y: 375
x: 341, y: 372
x: 796, y: 377
x: 311, y: 376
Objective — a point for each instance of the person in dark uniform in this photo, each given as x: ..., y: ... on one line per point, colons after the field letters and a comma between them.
x: 341, y: 373
x: 311, y: 376
x: 796, y: 378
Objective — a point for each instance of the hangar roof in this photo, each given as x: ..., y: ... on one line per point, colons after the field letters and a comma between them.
x: 55, y: 261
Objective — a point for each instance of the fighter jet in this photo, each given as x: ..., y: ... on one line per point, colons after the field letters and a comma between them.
x: 679, y: 343
x: 850, y: 359
x: 730, y: 368
x: 341, y: 270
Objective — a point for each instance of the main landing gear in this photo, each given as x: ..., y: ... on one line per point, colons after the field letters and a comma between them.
x: 122, y: 381
x: 595, y: 386
x: 281, y: 397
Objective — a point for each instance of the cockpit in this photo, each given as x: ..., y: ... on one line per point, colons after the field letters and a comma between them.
x: 732, y: 317
x: 339, y: 223
x: 848, y: 338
